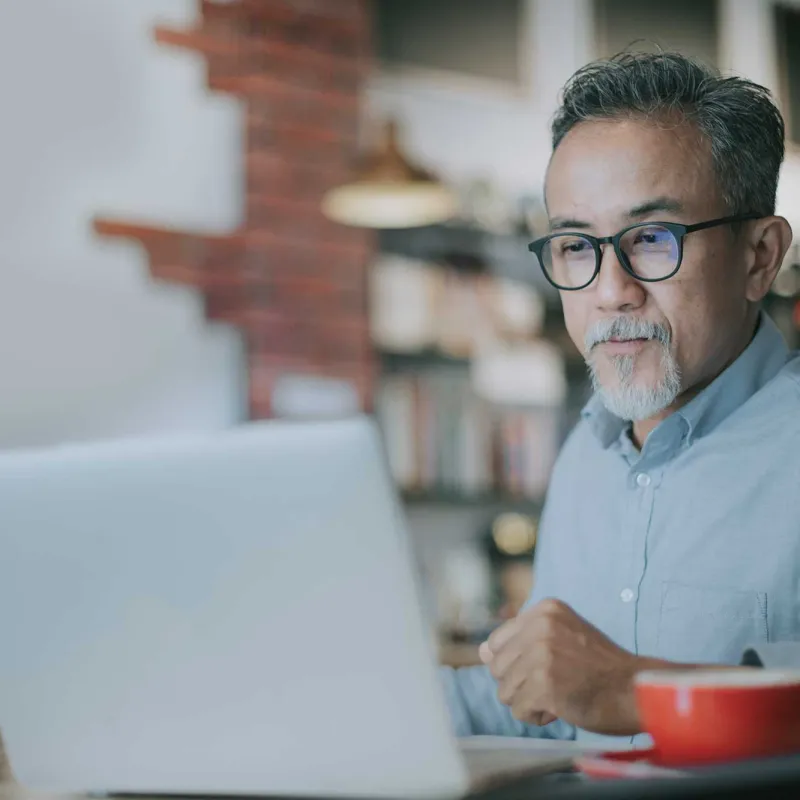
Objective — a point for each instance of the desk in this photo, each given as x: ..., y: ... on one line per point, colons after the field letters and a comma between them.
x: 774, y: 788
x: 778, y: 779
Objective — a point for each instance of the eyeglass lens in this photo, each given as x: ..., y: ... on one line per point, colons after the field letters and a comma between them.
x: 570, y: 260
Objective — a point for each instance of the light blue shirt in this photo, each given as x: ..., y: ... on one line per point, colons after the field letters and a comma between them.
x: 688, y: 550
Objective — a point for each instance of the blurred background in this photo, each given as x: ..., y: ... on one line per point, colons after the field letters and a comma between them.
x: 219, y: 211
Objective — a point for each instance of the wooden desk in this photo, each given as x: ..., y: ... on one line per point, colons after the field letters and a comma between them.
x: 452, y: 654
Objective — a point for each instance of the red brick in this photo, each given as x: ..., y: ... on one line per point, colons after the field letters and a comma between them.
x: 285, y: 257
x: 163, y: 246
x: 319, y: 146
x: 271, y: 173
x: 186, y: 275
x: 233, y: 54
x: 306, y: 299
x: 300, y: 219
x: 342, y: 340
x: 276, y: 88
x: 291, y: 280
x: 325, y: 144
x: 275, y: 332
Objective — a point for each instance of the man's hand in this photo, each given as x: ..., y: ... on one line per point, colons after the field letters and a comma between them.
x: 551, y: 664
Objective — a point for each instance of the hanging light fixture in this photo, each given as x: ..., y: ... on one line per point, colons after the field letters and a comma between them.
x: 390, y: 192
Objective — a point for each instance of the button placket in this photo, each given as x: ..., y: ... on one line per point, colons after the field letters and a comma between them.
x: 643, y: 479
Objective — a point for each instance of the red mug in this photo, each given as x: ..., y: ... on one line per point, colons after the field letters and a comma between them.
x: 711, y: 716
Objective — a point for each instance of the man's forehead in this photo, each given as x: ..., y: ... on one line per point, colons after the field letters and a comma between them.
x: 618, y: 166
x: 664, y: 205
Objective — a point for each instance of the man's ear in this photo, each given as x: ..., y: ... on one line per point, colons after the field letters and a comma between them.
x: 769, y: 240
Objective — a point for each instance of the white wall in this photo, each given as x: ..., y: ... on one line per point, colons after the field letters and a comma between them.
x: 97, y: 119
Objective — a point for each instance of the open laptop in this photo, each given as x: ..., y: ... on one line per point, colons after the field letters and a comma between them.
x: 230, y: 613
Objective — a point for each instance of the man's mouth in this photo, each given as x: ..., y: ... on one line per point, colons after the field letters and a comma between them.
x: 617, y: 346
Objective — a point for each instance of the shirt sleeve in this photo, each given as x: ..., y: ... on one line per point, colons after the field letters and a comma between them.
x: 776, y: 655
x: 471, y: 694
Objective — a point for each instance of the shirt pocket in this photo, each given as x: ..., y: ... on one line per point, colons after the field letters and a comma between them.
x: 701, y: 624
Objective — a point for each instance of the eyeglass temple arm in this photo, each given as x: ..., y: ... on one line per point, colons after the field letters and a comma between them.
x: 713, y: 223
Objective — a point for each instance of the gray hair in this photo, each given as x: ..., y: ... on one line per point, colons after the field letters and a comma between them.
x: 738, y: 117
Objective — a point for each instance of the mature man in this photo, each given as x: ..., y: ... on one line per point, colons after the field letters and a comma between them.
x: 671, y: 533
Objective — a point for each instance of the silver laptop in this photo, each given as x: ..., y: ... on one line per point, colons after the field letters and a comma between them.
x: 230, y: 613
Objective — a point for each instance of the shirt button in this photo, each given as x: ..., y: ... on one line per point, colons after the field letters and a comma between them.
x: 626, y: 595
x: 643, y: 479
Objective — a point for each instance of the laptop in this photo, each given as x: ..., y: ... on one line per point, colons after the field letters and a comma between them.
x: 226, y: 613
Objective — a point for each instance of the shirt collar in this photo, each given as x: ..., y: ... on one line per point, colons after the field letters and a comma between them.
x: 760, y: 361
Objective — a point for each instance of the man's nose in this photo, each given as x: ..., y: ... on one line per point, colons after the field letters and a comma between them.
x: 615, y: 288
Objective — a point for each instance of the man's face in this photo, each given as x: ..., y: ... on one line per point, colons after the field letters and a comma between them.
x: 645, y: 343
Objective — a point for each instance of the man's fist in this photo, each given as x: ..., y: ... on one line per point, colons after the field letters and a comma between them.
x: 551, y: 663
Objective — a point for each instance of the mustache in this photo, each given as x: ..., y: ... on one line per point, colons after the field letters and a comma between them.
x: 626, y: 328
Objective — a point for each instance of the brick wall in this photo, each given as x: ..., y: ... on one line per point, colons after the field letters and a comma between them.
x: 290, y: 280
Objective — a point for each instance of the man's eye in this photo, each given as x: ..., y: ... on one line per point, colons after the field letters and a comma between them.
x: 572, y: 246
x: 653, y: 237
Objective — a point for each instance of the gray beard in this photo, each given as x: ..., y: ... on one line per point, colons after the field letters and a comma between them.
x: 634, y: 403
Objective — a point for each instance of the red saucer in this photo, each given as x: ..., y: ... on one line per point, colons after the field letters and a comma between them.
x: 626, y: 764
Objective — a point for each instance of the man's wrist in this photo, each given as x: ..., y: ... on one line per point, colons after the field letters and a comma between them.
x: 629, y: 721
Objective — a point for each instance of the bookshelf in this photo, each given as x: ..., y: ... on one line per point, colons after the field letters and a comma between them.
x: 498, y: 500
x: 444, y: 441
x: 505, y: 255
x: 446, y: 446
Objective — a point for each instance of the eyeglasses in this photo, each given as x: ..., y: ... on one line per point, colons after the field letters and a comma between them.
x: 649, y: 251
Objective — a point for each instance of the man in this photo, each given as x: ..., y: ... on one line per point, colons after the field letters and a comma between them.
x: 671, y: 533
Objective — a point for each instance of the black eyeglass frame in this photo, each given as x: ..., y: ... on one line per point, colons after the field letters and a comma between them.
x: 677, y: 229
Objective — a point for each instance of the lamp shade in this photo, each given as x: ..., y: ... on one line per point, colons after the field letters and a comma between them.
x: 389, y: 192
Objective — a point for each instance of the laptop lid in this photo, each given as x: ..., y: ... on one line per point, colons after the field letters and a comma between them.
x: 225, y: 613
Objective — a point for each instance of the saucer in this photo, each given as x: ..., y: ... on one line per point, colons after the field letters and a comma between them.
x: 626, y: 764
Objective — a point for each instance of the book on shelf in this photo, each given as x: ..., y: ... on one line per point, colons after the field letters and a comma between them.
x: 441, y: 438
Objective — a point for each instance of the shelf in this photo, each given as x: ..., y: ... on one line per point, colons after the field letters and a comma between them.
x: 430, y: 360
x: 402, y: 362
x: 505, y: 255
x: 450, y: 498
x: 553, y: 331
x: 433, y: 359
